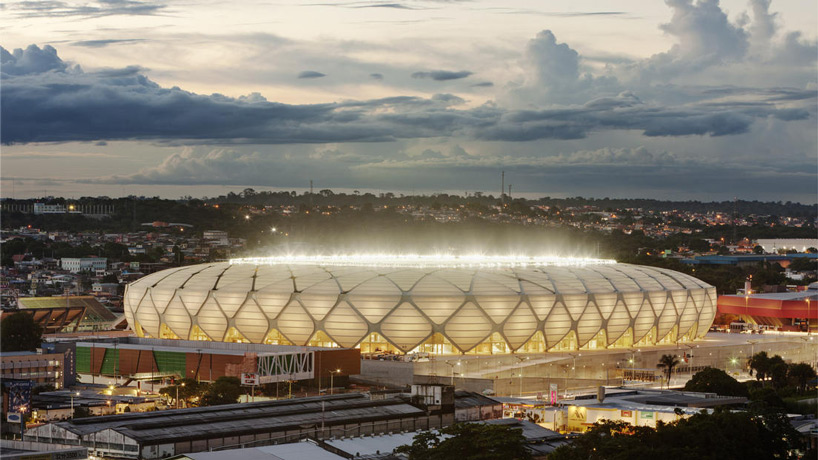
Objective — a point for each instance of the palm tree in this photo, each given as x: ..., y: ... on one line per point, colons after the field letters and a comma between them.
x: 668, y: 362
x: 760, y: 363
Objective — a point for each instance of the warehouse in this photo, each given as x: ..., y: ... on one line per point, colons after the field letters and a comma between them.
x: 160, y: 434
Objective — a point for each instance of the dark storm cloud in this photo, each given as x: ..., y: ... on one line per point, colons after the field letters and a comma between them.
x: 32, y: 60
x: 311, y: 74
x: 442, y: 75
x: 51, y: 8
x: 42, y: 99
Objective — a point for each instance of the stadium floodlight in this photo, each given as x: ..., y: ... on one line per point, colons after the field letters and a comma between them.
x: 424, y: 260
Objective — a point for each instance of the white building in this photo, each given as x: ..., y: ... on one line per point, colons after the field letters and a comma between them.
x: 42, y: 208
x: 799, y: 244
x: 84, y: 264
x: 216, y: 237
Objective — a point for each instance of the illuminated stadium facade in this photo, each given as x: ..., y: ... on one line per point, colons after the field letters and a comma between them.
x: 440, y: 305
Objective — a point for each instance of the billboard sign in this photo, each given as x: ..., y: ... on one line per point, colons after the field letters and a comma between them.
x: 19, y: 393
x: 249, y: 378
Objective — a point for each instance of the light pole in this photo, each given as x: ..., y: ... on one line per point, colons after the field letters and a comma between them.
x: 452, y: 368
x: 72, y: 403
x: 177, y: 393
x: 332, y: 378
x: 520, y: 360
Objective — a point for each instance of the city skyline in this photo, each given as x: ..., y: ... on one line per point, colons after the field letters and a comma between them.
x: 682, y: 100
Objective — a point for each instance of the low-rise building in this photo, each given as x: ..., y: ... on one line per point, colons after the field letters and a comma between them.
x: 84, y: 264
x: 38, y: 367
x: 161, y: 434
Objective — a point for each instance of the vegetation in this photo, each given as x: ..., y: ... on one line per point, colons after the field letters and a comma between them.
x: 190, y: 392
x: 759, y: 433
x: 766, y: 367
x: 667, y: 363
x: 800, y: 375
x: 712, y: 380
x: 19, y: 332
x: 468, y: 441
x: 225, y: 390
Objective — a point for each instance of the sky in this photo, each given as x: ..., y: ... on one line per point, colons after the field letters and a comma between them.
x: 682, y: 99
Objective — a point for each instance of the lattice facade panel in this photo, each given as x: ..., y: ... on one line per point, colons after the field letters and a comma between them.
x: 588, y: 304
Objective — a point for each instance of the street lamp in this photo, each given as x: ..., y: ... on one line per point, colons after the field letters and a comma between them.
x: 520, y: 359
x: 72, y: 403
x: 177, y: 393
x: 332, y: 378
x: 452, y: 366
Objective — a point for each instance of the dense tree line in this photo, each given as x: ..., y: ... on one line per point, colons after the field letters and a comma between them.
x: 192, y: 393
x: 758, y: 433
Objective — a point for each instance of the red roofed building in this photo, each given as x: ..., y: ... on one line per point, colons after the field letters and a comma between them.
x: 787, y: 310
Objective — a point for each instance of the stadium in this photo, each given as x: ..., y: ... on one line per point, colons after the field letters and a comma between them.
x: 424, y: 304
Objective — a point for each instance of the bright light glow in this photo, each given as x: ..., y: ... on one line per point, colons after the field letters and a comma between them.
x: 420, y: 261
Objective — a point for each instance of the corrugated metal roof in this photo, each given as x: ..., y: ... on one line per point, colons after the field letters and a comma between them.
x: 465, y: 399
x: 240, y: 419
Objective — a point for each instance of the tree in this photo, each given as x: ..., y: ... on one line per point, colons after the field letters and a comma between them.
x: 712, y: 380
x: 778, y: 371
x: 225, y: 390
x: 668, y: 362
x: 800, y: 374
x: 189, y: 391
x: 723, y: 434
x: 20, y: 333
x: 760, y: 363
x: 468, y: 441
x: 803, y: 264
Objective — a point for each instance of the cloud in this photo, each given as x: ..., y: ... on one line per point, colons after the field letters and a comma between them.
x: 33, y: 60
x: 54, y: 8
x: 230, y: 166
x: 106, y: 42
x: 459, y: 157
x: 554, y: 75
x: 376, y: 76
x: 442, y: 75
x: 311, y: 74
x: 359, y: 5
x: 483, y: 84
x: 45, y: 100
x: 704, y: 37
